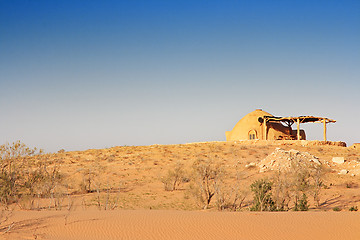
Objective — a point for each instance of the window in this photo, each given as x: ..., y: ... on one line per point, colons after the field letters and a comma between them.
x: 252, y: 135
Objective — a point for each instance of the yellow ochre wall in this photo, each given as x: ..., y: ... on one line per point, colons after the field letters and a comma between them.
x: 250, y: 122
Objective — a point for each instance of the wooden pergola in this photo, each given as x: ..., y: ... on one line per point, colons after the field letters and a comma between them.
x: 289, y: 121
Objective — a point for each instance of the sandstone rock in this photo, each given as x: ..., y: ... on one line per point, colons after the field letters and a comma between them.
x: 252, y: 164
x: 338, y: 160
x: 343, y: 172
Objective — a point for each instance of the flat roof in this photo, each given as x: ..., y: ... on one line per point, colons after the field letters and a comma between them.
x: 302, y: 119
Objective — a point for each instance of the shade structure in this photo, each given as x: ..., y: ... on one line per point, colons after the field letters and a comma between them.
x: 298, y: 120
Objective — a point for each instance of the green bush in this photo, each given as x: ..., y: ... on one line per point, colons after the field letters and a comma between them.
x: 302, y: 205
x: 353, y: 209
x: 262, y: 196
x: 336, y: 209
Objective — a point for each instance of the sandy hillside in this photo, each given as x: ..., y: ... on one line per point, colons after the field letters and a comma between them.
x: 132, y: 177
x: 120, y: 192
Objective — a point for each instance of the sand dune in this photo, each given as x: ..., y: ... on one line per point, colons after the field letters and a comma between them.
x: 149, y: 224
x: 131, y: 180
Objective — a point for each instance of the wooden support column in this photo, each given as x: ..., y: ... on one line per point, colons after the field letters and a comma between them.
x: 298, y: 128
x: 324, y: 122
x: 265, y: 130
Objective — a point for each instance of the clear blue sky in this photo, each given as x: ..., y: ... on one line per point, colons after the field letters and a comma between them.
x: 94, y: 74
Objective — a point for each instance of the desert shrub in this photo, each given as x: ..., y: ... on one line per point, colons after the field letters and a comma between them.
x: 299, y: 177
x: 61, y: 151
x: 353, y: 209
x: 91, y: 177
x: 174, y: 177
x: 106, y: 200
x: 262, y: 196
x: 336, y: 209
x: 45, y: 176
x: 210, y: 180
x: 291, y: 185
x: 229, y: 196
x: 316, y: 182
x: 206, y: 176
x: 302, y: 204
x: 351, y: 184
x: 16, y: 171
x: 26, y: 173
x: 281, y: 189
x: 222, y: 192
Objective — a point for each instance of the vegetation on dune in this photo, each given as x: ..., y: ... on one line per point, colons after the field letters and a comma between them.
x: 208, y: 176
x: 23, y: 176
x: 289, y: 187
x: 174, y: 177
x: 262, y: 196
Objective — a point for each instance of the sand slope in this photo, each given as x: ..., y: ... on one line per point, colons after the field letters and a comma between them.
x: 159, y: 224
x: 134, y: 174
x: 130, y: 178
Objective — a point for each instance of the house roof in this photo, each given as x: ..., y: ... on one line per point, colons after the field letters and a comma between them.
x: 291, y: 120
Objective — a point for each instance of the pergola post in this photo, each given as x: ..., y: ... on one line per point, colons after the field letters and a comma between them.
x: 298, y: 128
x: 265, y: 129
x: 324, y: 122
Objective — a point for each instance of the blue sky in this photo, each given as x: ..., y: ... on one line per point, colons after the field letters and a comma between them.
x: 76, y: 75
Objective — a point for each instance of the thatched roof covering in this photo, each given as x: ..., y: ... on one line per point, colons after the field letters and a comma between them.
x: 291, y: 120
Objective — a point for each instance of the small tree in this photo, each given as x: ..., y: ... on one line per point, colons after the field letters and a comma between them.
x: 90, y: 177
x: 262, y: 196
x: 15, y: 164
x: 174, y: 177
x: 206, y: 176
x: 281, y: 189
x: 317, y: 182
x: 229, y: 195
x: 25, y: 173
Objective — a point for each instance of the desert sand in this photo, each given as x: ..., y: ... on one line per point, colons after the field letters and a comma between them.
x: 128, y: 200
x: 161, y: 224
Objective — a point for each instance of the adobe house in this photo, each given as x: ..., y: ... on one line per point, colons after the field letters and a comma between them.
x: 264, y: 126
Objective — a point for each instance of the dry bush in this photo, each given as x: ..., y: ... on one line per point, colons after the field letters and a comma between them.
x: 15, y: 176
x: 300, y: 181
x: 206, y: 178
x: 20, y: 172
x: 290, y: 186
x: 26, y: 173
x: 211, y: 180
x: 106, y: 200
x: 317, y: 175
x: 281, y: 190
x: 174, y: 177
x: 295, y: 183
x: 229, y: 195
x: 91, y: 178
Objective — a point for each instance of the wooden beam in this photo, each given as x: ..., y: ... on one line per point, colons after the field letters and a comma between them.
x: 265, y: 130
x: 324, y: 122
x: 298, y: 128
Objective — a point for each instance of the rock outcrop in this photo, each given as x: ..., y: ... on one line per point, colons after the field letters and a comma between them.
x: 281, y: 159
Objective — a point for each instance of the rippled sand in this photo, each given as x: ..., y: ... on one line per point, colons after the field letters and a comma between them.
x: 154, y: 224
